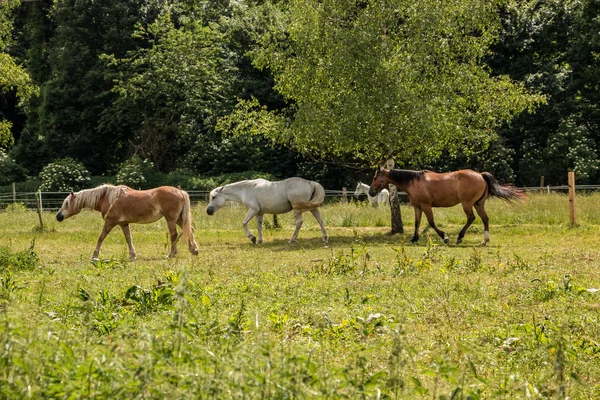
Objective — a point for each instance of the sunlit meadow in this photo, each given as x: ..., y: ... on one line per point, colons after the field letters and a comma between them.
x: 368, y: 315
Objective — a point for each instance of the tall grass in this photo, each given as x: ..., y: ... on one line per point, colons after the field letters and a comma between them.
x: 368, y: 316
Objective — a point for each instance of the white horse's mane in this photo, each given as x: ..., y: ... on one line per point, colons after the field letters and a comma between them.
x: 88, y: 198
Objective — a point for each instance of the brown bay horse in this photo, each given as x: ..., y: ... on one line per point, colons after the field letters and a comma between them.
x: 121, y: 205
x: 428, y: 189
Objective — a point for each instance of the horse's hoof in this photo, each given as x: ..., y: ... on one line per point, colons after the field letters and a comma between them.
x: 458, y: 241
x: 446, y: 240
x: 95, y: 259
x: 414, y: 240
x: 253, y: 239
x: 483, y: 243
x: 195, y: 252
x: 260, y: 241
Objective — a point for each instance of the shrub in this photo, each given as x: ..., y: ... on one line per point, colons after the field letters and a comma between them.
x: 16, y: 208
x: 64, y: 175
x: 25, y: 260
x: 134, y: 172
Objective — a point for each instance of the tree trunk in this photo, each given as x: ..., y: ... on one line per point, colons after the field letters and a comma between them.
x: 397, y: 226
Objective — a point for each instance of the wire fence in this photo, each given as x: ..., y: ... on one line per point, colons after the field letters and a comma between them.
x: 51, y: 201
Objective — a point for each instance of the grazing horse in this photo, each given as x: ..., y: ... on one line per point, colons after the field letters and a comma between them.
x: 121, y: 205
x: 266, y: 197
x: 382, y: 197
x: 428, y: 189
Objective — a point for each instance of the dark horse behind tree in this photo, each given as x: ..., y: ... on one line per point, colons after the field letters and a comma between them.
x: 428, y: 189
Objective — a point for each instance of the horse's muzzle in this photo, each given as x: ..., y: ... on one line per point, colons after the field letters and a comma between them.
x: 372, y: 192
x: 59, y: 217
x: 210, y: 210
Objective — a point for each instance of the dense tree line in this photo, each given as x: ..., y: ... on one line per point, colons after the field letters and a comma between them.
x: 323, y: 89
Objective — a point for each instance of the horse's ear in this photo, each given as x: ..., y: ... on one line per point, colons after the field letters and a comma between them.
x: 219, y: 189
x: 381, y: 169
x: 72, y: 194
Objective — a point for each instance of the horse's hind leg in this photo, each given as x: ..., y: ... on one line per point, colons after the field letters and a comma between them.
x: 429, y: 213
x: 127, y: 233
x: 317, y: 216
x: 105, y: 231
x: 174, y: 237
x: 468, y: 209
x: 249, y: 215
x: 486, y: 222
x: 299, y: 222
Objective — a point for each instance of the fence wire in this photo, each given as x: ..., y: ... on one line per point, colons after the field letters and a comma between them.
x: 51, y: 201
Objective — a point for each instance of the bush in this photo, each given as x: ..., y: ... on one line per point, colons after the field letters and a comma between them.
x: 16, y: 208
x: 134, y: 172
x: 10, y: 171
x: 25, y: 260
x: 64, y: 175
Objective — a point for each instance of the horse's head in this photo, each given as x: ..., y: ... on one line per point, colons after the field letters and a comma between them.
x: 357, y: 191
x: 380, y: 182
x: 68, y: 208
x: 215, y: 200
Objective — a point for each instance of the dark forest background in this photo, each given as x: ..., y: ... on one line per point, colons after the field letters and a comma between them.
x: 119, y: 79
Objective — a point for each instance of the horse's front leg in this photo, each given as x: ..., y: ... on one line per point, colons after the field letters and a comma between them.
x: 418, y: 214
x: 249, y: 215
x: 259, y: 222
x: 105, y: 231
x: 299, y: 222
x: 127, y: 233
x: 429, y: 214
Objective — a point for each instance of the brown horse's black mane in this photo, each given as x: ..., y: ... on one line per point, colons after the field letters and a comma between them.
x: 405, y: 176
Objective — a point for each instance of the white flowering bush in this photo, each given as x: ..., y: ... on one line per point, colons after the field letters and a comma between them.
x: 134, y: 172
x: 64, y: 175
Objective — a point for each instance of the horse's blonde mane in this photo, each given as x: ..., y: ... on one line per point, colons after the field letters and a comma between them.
x: 89, y: 198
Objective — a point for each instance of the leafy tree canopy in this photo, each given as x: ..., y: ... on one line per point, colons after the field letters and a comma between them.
x: 13, y: 76
x: 372, y: 79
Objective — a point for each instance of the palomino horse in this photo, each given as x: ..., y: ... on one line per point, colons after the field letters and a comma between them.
x: 428, y: 189
x: 382, y: 197
x: 265, y: 197
x: 121, y: 205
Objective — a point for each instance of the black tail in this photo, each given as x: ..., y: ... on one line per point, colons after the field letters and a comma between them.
x: 505, y: 192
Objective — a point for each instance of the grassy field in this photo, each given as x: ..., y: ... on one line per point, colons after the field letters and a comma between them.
x: 368, y: 316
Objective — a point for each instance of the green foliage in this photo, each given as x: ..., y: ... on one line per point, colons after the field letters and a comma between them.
x: 359, y: 74
x: 25, y: 260
x: 209, y: 183
x: 15, y: 208
x: 133, y: 172
x: 171, y: 90
x: 10, y: 171
x: 13, y: 76
x: 64, y: 175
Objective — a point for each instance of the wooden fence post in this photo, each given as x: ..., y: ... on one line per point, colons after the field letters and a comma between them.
x: 38, y: 198
x: 14, y: 190
x: 344, y: 195
x: 542, y: 183
x: 572, y: 197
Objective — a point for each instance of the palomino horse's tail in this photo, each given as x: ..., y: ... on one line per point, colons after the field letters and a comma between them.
x: 186, y: 224
x: 317, y: 198
x: 504, y: 192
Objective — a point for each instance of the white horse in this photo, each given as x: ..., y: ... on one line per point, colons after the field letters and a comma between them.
x: 265, y: 197
x: 381, y: 198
